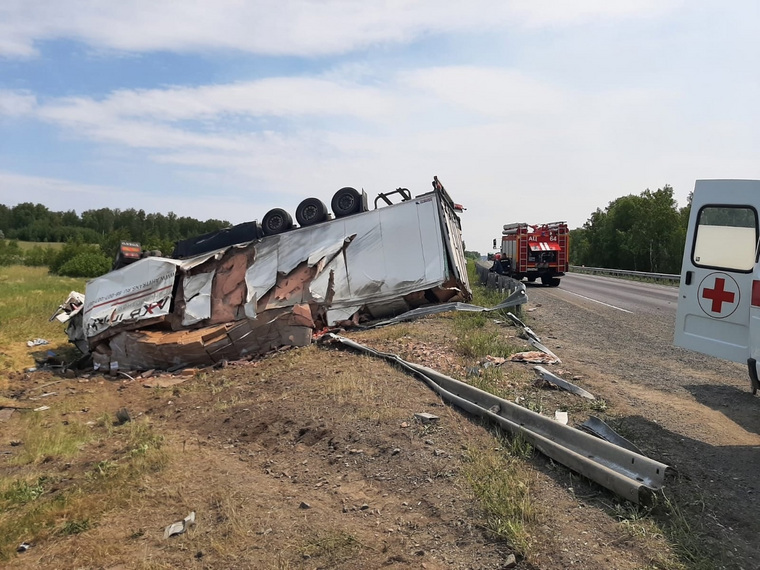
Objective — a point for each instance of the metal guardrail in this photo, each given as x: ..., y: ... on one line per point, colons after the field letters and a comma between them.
x: 625, y: 273
x: 504, y: 284
x: 625, y: 472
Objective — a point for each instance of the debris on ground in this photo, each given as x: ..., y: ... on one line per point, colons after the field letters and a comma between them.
x: 180, y: 527
x: 534, y: 357
x: 426, y: 418
x: 555, y: 380
x: 600, y: 429
x: 37, y: 342
x: 123, y: 416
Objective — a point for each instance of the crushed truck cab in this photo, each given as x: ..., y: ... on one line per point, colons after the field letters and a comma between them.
x: 719, y: 296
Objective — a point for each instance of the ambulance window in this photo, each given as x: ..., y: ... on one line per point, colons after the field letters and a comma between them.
x: 726, y: 238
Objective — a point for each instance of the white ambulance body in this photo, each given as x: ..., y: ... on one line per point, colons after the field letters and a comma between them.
x: 719, y: 296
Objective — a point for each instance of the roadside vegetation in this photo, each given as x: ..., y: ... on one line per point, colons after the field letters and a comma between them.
x: 28, y: 297
x: 85, y: 245
x: 644, y: 232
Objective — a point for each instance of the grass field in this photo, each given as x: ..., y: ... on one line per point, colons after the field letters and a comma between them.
x: 26, y: 245
x: 28, y: 297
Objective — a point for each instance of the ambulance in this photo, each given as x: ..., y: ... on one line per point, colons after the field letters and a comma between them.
x: 719, y: 295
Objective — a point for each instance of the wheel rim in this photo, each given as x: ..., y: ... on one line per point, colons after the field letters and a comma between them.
x: 346, y: 202
x: 275, y: 223
x: 310, y: 213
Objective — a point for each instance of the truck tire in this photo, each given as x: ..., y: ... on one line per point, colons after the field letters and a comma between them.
x: 347, y: 201
x: 550, y: 281
x: 276, y: 221
x: 311, y: 211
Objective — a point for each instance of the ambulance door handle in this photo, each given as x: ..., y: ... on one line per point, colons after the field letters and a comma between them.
x: 688, y: 277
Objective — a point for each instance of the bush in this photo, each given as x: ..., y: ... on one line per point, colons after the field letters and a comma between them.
x: 91, y: 263
x: 40, y: 256
x: 86, y: 264
x: 10, y: 252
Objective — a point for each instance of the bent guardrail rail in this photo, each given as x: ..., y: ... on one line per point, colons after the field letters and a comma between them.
x: 502, y: 283
x: 625, y: 472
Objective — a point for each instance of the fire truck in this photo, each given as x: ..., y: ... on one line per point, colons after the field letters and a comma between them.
x: 533, y: 251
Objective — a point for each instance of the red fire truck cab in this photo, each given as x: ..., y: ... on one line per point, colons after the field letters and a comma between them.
x: 532, y: 251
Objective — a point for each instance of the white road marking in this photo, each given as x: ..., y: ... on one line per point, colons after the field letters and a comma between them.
x: 600, y: 302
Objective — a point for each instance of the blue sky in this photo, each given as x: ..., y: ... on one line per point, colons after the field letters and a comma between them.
x: 526, y: 111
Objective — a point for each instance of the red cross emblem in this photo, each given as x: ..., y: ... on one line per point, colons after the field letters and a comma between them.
x: 718, y: 295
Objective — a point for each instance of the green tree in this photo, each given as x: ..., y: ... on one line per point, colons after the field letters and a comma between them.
x: 641, y: 233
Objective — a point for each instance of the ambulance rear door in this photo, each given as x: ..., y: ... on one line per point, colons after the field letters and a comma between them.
x: 719, y: 269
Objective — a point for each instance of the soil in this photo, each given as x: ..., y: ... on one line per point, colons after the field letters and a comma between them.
x: 314, y: 458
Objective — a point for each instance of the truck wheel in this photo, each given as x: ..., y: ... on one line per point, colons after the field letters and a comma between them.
x: 550, y: 281
x: 276, y: 221
x: 346, y: 201
x: 311, y: 211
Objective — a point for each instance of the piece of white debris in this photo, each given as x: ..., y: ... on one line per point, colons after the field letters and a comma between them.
x: 180, y: 526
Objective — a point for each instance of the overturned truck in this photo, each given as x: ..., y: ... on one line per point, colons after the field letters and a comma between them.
x: 248, y: 298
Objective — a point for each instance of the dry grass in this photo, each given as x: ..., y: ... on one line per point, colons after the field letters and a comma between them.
x: 69, y: 474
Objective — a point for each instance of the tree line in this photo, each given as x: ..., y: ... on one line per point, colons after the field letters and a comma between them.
x: 106, y: 227
x: 644, y: 232
x: 92, y: 238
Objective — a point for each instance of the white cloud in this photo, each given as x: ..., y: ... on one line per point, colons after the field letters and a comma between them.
x: 509, y: 146
x: 16, y: 103
x: 283, y: 27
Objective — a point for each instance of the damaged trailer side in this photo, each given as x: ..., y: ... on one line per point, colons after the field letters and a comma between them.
x: 250, y: 298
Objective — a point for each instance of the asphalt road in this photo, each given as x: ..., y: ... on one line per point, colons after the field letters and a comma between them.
x: 620, y: 294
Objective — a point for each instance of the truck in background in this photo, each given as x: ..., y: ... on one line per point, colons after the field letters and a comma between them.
x: 533, y: 251
x: 719, y: 295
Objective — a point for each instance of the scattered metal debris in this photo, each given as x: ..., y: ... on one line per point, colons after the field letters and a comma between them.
x: 37, y: 342
x: 23, y: 547
x: 627, y: 473
x: 535, y: 341
x: 41, y: 408
x: 426, y: 418
x: 180, y: 526
x: 564, y: 384
x: 518, y: 297
x: 600, y: 429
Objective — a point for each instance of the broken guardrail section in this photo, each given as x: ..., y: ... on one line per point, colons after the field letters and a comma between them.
x: 625, y: 472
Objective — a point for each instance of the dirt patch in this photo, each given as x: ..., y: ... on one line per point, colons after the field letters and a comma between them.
x: 313, y: 458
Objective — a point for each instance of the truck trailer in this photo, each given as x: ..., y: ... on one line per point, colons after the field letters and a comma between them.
x: 277, y: 287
